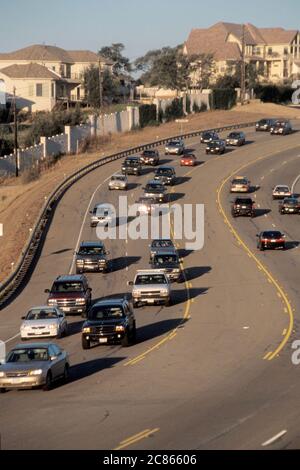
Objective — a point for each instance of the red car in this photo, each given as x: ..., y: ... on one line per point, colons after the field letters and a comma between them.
x: 270, y: 239
x: 188, y: 160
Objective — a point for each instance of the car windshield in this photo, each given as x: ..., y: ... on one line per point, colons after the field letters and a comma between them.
x: 146, y: 200
x: 146, y: 279
x: 165, y: 259
x: 42, y: 314
x: 174, y: 143
x: 104, y: 312
x: 240, y: 181
x: 208, y: 135
x: 245, y: 202
x: 131, y: 162
x: 282, y: 189
x: 273, y: 235
x: 118, y: 178
x: 149, y: 153
x: 162, y: 244
x: 155, y: 187
x: 28, y: 355
x: 234, y: 135
x: 91, y: 250
x: 281, y: 124
x: 101, y: 212
x: 164, y: 171
x: 291, y: 202
x: 65, y: 287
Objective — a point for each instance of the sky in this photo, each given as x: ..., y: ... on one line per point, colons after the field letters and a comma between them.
x: 139, y: 25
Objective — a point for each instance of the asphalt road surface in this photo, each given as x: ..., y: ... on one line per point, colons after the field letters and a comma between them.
x: 212, y: 371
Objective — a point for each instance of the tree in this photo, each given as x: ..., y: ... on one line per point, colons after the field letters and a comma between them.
x: 170, y: 68
x: 233, y: 77
x: 92, y: 88
x: 115, y: 54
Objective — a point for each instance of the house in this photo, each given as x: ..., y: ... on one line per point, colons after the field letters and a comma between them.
x: 274, y: 52
x: 45, y: 75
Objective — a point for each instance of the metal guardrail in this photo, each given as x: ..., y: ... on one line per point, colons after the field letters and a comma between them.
x: 34, y: 244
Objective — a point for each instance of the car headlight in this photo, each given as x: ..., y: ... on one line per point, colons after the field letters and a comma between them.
x: 80, y: 301
x: 2, y: 374
x: 136, y: 293
x: 164, y: 292
x: 79, y: 261
x: 36, y: 372
x: 120, y: 328
x: 52, y: 302
x: 53, y: 327
x: 87, y: 330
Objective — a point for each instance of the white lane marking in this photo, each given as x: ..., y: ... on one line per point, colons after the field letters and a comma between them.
x: 11, y: 339
x: 295, y: 183
x: 275, y: 438
x: 273, y: 225
x: 262, y: 178
x: 266, y: 215
x: 1, y: 230
x: 84, y: 219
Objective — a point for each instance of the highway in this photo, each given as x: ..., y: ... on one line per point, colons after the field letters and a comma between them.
x: 212, y: 371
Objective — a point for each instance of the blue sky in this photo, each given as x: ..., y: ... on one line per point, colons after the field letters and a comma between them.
x: 140, y: 25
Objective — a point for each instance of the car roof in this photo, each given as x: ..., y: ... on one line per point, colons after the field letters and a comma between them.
x: 103, y: 205
x: 162, y: 240
x: 70, y: 278
x: 165, y: 168
x: 154, y: 182
x: 136, y: 157
x: 42, y: 307
x: 282, y: 186
x: 119, y: 175
x: 150, y: 272
x: 33, y: 345
x: 92, y: 244
x: 165, y: 251
x: 112, y: 301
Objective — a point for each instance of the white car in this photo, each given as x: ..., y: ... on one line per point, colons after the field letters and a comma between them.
x: 103, y: 215
x: 118, y: 182
x: 281, y: 191
x: 44, y: 322
x: 174, y: 147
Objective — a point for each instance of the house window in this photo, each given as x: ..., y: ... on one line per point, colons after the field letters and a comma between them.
x: 286, y: 51
x: 52, y: 90
x: 39, y: 89
x: 53, y: 68
x: 270, y: 51
x: 257, y: 51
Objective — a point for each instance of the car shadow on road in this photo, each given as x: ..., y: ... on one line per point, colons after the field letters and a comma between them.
x: 261, y: 213
x: 86, y: 369
x: 155, y: 330
x: 75, y: 328
x: 60, y: 252
x: 164, y: 161
x: 254, y: 189
x: 132, y: 186
x: 291, y: 245
x: 182, y: 253
x: 176, y: 196
x: 118, y: 264
x: 182, y: 180
x: 181, y: 296
x: 196, y: 272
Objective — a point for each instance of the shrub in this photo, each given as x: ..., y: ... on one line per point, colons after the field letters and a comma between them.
x: 223, y: 98
x: 274, y: 94
x: 174, y: 110
x: 147, y: 114
x: 30, y: 174
x: 203, y: 107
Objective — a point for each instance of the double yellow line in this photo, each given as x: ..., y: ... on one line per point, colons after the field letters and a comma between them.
x: 280, y: 292
x: 174, y: 332
x: 136, y: 438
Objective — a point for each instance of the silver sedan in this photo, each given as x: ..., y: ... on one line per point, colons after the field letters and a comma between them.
x: 43, y: 322
x: 119, y: 182
x: 34, y: 365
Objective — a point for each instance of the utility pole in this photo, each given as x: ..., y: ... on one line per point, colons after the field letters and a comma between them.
x: 101, y: 95
x: 15, y: 132
x: 243, y: 68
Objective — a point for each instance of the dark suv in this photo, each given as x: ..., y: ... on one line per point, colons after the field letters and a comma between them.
x: 243, y: 207
x: 216, y: 147
x: 264, y: 125
x: 166, y: 175
x: 132, y: 166
x: 150, y: 157
x: 71, y: 294
x: 109, y: 321
x: 92, y: 256
x: 169, y: 262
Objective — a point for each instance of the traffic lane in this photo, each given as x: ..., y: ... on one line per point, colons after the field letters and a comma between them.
x: 183, y: 355
x: 284, y: 264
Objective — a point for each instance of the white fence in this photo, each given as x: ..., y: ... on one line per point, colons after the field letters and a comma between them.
x: 69, y: 141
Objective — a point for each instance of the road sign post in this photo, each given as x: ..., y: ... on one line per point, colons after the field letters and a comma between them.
x: 181, y: 122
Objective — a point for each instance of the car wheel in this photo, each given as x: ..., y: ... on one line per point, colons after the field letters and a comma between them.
x: 125, y: 341
x: 86, y: 344
x: 66, y: 373
x: 135, y: 304
x: 168, y: 302
x: 48, y: 384
x: 261, y: 248
x: 2, y: 390
x: 78, y: 271
x: 133, y: 335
